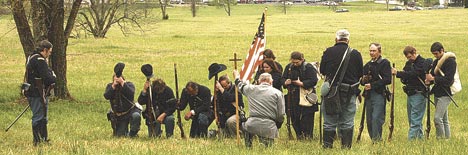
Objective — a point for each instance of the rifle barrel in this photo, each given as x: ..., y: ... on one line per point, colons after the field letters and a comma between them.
x: 16, y: 119
x: 179, y: 119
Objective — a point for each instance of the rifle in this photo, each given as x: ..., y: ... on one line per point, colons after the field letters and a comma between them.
x: 179, y: 119
x: 428, y: 94
x: 16, y: 119
x: 150, y: 113
x: 288, y: 115
x: 320, y: 122
x: 215, y: 107
x: 392, y: 109
x: 365, y: 79
x: 363, y: 117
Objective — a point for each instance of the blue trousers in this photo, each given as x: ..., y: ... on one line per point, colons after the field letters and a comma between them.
x: 199, y: 127
x: 441, y: 120
x: 169, y: 125
x: 416, y: 106
x: 133, y: 118
x: 375, y: 115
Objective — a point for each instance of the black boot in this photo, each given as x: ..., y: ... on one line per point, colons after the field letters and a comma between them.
x: 133, y: 134
x: 328, y: 137
x: 346, y: 138
x: 36, y: 135
x: 248, y: 139
x: 43, y: 132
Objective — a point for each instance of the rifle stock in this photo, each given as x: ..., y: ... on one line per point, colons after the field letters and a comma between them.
x: 392, y: 110
x: 179, y: 119
x: 428, y: 120
x: 288, y: 115
x: 363, y: 117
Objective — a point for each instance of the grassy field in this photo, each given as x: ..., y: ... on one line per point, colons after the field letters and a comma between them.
x: 81, y: 127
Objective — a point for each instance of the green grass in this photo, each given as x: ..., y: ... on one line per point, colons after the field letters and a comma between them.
x: 80, y: 127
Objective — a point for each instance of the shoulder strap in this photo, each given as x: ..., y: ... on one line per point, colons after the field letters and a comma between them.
x: 346, y: 61
x: 345, y: 55
x: 27, y: 66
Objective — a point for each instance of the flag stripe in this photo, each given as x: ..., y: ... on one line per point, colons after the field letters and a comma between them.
x: 255, y: 56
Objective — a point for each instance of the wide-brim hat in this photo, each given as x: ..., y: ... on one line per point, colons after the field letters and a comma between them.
x: 215, y: 68
x: 147, y: 69
x: 118, y: 69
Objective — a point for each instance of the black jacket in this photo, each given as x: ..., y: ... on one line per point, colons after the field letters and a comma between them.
x: 199, y: 103
x: 225, y: 101
x: 331, y: 60
x: 121, y: 98
x: 411, y: 72
x: 37, y: 68
x: 306, y: 73
x: 164, y: 102
x: 443, y: 83
x: 381, y: 73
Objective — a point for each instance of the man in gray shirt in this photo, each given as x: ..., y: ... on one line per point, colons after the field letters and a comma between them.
x: 266, y: 108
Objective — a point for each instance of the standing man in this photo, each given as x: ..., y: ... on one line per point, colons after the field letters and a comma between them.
x: 442, y: 73
x: 123, y: 111
x: 198, y: 98
x: 413, y: 76
x: 331, y: 60
x: 163, y: 105
x: 227, y: 105
x: 299, y: 74
x: 266, y: 109
x: 377, y: 75
x: 41, y: 79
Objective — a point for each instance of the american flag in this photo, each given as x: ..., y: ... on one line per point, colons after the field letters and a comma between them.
x: 255, y: 56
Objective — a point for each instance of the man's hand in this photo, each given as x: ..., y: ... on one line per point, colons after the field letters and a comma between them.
x: 188, y: 115
x: 236, y: 74
x: 161, y: 118
x: 298, y: 82
x: 146, y: 86
x: 429, y: 78
x: 219, y: 87
x: 394, y: 71
x: 367, y: 86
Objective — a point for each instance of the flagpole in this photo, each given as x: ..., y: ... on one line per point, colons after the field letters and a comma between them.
x: 264, y: 23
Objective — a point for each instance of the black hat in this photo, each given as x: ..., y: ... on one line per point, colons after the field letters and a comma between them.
x: 118, y: 69
x: 215, y: 68
x: 147, y: 69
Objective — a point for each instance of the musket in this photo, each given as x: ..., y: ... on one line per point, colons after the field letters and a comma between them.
x: 365, y: 94
x: 151, y: 114
x: 428, y: 120
x: 320, y: 122
x: 451, y: 98
x: 288, y: 116
x: 363, y: 117
x: 215, y: 107
x: 16, y: 119
x: 392, y: 107
x: 179, y: 119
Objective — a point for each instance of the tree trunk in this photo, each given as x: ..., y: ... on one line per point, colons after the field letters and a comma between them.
x: 48, y: 20
x: 194, y: 9
x: 22, y: 26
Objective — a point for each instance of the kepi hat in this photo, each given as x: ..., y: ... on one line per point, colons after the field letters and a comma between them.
x: 147, y: 69
x: 215, y: 68
x: 118, y: 69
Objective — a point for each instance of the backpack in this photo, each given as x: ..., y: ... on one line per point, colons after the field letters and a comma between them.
x: 456, y: 86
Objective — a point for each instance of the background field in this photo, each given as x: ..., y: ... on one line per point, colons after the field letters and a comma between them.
x: 80, y: 126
